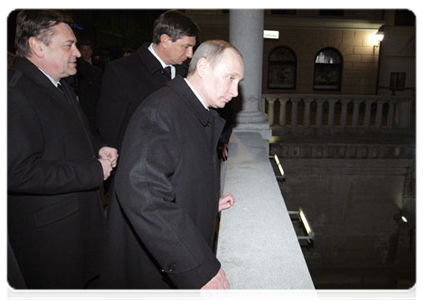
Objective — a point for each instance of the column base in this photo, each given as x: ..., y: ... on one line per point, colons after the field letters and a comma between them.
x: 253, y: 122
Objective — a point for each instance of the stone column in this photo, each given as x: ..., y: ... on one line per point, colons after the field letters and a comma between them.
x: 246, y: 34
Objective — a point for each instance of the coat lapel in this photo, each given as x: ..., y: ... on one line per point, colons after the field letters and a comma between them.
x: 206, y: 117
x: 32, y: 72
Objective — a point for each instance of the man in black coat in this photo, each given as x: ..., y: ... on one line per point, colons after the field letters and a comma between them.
x: 161, y: 222
x: 129, y: 80
x: 56, y: 224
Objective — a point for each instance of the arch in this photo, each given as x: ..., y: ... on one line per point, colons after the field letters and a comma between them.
x: 328, y: 65
x: 282, y: 70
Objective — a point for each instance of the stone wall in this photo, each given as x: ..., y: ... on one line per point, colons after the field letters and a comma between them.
x: 360, y: 64
x: 354, y: 205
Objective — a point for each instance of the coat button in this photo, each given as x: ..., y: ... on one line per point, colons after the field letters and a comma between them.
x: 171, y: 268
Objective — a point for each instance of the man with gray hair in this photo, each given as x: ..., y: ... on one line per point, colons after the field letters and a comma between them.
x: 166, y: 199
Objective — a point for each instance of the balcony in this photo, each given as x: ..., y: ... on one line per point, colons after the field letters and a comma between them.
x: 257, y: 244
x: 338, y: 126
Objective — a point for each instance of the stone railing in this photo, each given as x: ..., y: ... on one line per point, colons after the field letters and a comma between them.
x: 257, y: 243
x: 338, y: 111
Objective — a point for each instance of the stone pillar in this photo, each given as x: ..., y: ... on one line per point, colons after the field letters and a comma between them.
x: 246, y: 34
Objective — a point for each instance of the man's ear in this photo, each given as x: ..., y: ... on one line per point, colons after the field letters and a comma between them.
x: 165, y: 40
x: 203, y: 67
x: 37, y: 46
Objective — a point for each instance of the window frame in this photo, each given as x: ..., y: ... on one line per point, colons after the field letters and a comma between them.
x: 327, y: 68
x: 291, y: 66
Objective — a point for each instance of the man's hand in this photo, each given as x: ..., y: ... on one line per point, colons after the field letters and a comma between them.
x: 225, y: 152
x: 110, y: 154
x: 218, y: 282
x: 226, y: 202
x: 107, y: 167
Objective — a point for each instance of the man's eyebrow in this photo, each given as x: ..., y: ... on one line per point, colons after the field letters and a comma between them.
x: 71, y: 41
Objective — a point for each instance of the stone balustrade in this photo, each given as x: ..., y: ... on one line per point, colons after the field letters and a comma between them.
x: 339, y: 111
x: 257, y: 244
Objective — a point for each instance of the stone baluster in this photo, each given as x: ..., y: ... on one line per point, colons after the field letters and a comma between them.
x: 391, y: 114
x: 271, y: 110
x: 367, y: 113
x: 307, y: 116
x: 379, y: 112
x: 263, y: 104
x: 356, y: 113
x: 344, y: 112
x: 331, y: 116
x: 282, y: 111
x: 294, y: 112
x: 319, y: 113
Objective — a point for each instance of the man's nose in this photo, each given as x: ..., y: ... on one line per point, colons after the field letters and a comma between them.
x: 189, y: 52
x: 234, y: 90
x: 76, y: 52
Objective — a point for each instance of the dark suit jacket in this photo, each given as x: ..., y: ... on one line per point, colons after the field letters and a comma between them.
x: 161, y: 221
x: 55, y: 219
x: 126, y: 83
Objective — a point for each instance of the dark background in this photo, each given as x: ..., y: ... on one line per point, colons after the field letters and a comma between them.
x: 110, y: 31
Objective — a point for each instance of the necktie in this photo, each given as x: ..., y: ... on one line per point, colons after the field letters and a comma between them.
x: 61, y: 89
x: 168, y: 72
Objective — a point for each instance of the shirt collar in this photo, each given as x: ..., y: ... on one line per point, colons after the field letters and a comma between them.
x: 54, y: 82
x: 196, y: 94
x: 164, y: 65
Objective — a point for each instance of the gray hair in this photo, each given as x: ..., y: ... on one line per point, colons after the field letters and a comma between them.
x: 212, y: 50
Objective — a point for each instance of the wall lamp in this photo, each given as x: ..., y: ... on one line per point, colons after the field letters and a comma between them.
x: 307, y: 227
x: 378, y: 37
x: 278, y: 164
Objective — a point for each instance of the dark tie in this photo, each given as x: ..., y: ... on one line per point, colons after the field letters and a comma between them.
x: 61, y: 89
x: 168, y: 72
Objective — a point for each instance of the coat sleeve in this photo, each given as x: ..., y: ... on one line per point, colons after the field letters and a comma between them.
x: 28, y: 172
x: 144, y: 190
x: 112, y: 106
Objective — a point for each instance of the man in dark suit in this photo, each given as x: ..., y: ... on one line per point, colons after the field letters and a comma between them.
x: 129, y: 80
x: 56, y: 224
x: 161, y: 222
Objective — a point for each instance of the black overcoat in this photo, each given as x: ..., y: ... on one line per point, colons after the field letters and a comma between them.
x: 126, y: 83
x: 161, y: 221
x: 56, y: 224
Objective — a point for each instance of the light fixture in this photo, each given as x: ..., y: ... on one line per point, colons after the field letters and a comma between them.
x: 281, y: 171
x: 310, y: 233
x: 378, y: 37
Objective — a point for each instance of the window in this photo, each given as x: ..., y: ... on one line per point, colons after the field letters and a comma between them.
x: 397, y: 81
x: 282, y: 69
x: 328, y: 70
